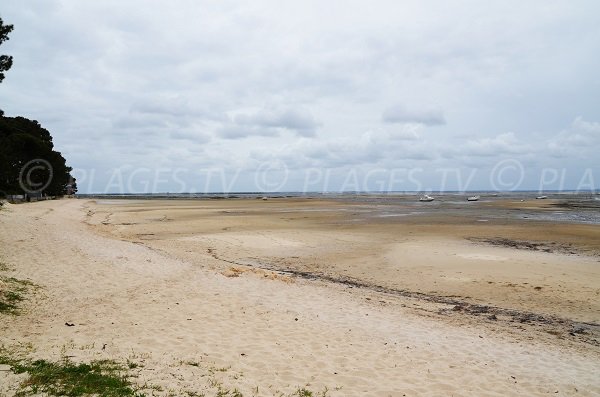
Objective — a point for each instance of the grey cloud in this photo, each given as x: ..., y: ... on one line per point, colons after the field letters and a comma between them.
x: 136, y: 122
x: 368, y: 149
x: 300, y: 121
x: 577, y: 140
x: 192, y: 136
x: 171, y: 75
x: 320, y: 153
x: 581, y: 133
x: 500, y: 145
x: 406, y: 132
x: 162, y: 108
x: 176, y: 108
x: 240, y: 132
x: 166, y: 113
x: 402, y: 114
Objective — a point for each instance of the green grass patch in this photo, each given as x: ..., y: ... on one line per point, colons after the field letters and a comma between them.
x: 12, y: 292
x: 302, y: 392
x: 102, y: 378
x: 228, y: 393
x: 99, y: 378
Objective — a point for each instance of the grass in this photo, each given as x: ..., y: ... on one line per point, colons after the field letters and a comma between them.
x: 104, y: 378
x: 11, y: 292
x: 8, y: 302
x: 100, y: 378
x: 132, y: 365
x: 228, y: 393
x: 107, y: 378
x: 307, y: 393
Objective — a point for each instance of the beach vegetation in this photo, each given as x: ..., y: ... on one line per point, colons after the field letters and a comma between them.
x: 303, y: 392
x: 194, y: 394
x: 132, y: 365
x: 12, y: 292
x: 106, y: 378
x: 66, y: 378
x: 229, y: 393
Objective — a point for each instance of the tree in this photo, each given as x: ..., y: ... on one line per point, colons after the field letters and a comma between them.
x: 28, y: 162
x: 5, y: 60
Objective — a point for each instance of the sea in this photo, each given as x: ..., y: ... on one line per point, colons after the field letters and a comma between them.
x: 562, y: 206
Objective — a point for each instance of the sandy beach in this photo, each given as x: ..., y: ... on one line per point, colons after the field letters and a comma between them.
x: 333, y: 296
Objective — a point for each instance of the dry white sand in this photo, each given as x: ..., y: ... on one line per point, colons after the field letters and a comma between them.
x: 193, y: 328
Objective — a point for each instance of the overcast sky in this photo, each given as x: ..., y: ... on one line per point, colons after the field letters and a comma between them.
x: 312, y: 95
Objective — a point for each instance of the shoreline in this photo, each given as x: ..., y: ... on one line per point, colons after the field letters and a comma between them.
x: 130, y: 296
x: 432, y: 254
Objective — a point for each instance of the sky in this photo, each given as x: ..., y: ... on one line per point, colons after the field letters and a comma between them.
x: 224, y: 96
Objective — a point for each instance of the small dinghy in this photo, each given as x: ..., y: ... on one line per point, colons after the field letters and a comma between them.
x: 473, y: 198
x: 426, y: 198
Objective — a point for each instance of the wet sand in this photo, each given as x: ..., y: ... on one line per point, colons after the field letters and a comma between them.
x: 269, y: 296
x: 542, y: 267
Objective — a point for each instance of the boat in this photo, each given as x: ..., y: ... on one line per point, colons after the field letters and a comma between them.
x: 426, y: 198
x: 473, y: 198
x: 541, y: 197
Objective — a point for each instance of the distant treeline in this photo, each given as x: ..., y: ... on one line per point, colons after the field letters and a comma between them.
x: 28, y: 162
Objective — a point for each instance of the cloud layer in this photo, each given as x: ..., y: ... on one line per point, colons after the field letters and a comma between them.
x: 232, y: 86
x: 400, y: 114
